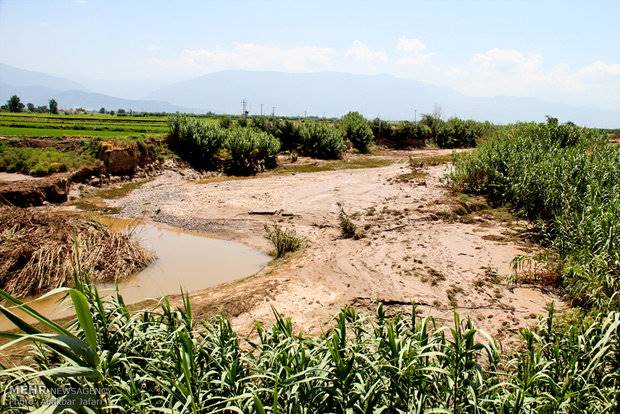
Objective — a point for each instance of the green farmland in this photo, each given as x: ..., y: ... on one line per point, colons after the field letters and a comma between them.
x: 43, y: 125
x: 41, y: 144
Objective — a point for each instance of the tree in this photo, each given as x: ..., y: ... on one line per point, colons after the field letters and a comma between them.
x: 42, y: 109
x: 14, y: 104
x: 30, y: 107
x: 53, y: 106
x: 102, y: 110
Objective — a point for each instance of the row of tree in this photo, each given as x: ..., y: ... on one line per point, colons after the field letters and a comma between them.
x: 14, y: 104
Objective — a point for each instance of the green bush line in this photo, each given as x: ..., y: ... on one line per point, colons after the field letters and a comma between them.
x: 164, y: 360
x: 238, y: 150
x: 568, y: 179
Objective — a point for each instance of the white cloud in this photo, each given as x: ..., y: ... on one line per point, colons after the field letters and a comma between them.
x: 153, y: 48
x: 513, y: 72
x: 411, y: 45
x: 507, y: 60
x: 359, y: 51
x: 599, y: 69
x: 253, y: 56
x: 412, y: 51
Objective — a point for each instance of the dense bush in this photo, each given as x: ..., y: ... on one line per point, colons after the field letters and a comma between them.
x: 321, y: 140
x: 198, y: 141
x: 208, y: 145
x: 165, y: 361
x: 457, y: 133
x: 250, y: 151
x: 433, y: 122
x: 283, y: 129
x: 381, y: 130
x: 356, y: 129
x: 569, y: 178
x: 410, y: 135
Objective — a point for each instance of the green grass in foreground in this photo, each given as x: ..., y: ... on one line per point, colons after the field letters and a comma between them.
x: 162, y: 360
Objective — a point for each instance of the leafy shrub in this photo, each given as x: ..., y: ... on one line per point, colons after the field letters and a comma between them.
x: 206, y: 145
x: 250, y: 151
x: 410, y: 135
x: 226, y: 122
x: 567, y: 177
x: 356, y: 129
x: 381, y: 130
x: 153, y: 360
x: 197, y: 141
x: 321, y: 140
x: 283, y: 240
x: 283, y: 129
x: 433, y: 122
x: 457, y: 133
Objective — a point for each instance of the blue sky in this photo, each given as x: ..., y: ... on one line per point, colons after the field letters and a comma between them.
x: 556, y: 50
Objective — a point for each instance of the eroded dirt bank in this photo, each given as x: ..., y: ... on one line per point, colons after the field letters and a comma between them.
x: 410, y: 252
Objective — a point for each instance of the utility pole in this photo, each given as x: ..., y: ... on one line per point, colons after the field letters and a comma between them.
x: 261, y: 109
x: 273, y: 111
x: 415, y: 115
x: 244, y: 107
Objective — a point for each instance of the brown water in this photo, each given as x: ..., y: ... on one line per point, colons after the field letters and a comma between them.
x: 185, y: 260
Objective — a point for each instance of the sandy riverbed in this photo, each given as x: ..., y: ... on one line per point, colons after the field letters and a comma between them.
x: 408, y: 254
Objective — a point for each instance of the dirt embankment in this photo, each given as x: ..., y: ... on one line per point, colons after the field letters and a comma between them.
x: 34, y: 192
x: 414, y: 250
x: 114, y: 162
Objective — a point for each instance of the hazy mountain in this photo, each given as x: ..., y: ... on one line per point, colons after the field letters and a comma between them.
x: 332, y: 94
x: 39, y: 95
x: 322, y: 94
x: 14, y: 76
x: 38, y: 88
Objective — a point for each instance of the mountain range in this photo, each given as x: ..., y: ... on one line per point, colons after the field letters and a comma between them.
x: 321, y: 94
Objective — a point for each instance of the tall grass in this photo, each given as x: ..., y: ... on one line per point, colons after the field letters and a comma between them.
x: 166, y: 361
x: 568, y: 179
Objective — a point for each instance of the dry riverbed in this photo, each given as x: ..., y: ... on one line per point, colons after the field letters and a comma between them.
x: 415, y: 248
